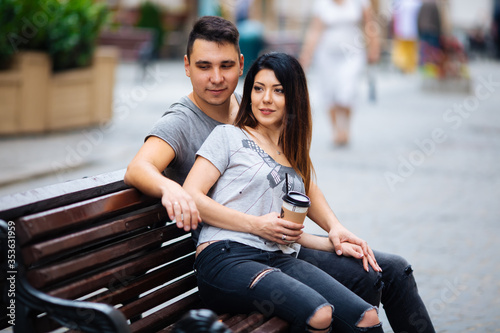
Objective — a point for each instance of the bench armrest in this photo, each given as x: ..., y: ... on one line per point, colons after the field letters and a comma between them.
x: 79, y: 315
x: 84, y: 316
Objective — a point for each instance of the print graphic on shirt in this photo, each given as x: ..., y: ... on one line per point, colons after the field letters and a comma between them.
x: 278, y: 172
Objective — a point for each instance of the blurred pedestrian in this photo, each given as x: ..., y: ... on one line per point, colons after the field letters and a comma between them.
x: 342, y: 49
x: 496, y: 27
x: 405, y: 32
x: 430, y: 32
x: 429, y: 23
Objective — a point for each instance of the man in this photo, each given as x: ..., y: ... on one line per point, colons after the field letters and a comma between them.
x: 214, y: 64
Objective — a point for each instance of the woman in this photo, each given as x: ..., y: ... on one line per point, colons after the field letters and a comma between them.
x: 243, y: 169
x: 335, y: 35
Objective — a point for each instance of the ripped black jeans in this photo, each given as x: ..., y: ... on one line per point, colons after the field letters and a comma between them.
x: 395, y: 287
x: 237, y: 278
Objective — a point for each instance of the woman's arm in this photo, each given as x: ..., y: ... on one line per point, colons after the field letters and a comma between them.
x: 371, y: 30
x: 324, y: 244
x: 200, y: 180
x: 316, y: 242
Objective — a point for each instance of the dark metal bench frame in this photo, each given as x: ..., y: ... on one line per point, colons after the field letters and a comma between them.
x: 95, y: 255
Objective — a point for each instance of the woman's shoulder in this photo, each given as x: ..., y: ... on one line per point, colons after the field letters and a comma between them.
x: 227, y: 130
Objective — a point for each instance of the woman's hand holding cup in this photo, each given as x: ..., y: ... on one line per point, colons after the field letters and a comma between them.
x: 276, y: 229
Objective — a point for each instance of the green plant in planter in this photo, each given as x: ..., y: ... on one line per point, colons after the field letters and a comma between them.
x: 7, y: 13
x: 23, y: 26
x: 72, y: 38
x: 66, y: 29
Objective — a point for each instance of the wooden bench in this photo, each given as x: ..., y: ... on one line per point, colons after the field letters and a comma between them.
x: 129, y: 40
x: 95, y: 255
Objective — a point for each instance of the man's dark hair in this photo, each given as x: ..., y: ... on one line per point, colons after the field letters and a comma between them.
x: 213, y: 29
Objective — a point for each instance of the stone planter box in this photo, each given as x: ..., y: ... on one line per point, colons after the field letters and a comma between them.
x: 34, y: 100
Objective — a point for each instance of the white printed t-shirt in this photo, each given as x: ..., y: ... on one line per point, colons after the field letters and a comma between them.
x: 250, y: 182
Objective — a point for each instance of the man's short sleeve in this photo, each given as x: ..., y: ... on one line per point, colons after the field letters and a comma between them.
x: 171, y: 129
x: 216, y: 148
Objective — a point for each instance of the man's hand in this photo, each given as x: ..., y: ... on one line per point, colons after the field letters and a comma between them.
x: 341, y: 237
x: 145, y: 173
x: 180, y: 207
x: 276, y: 229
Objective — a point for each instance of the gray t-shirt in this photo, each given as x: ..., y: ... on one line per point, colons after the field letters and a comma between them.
x: 250, y: 182
x: 184, y: 127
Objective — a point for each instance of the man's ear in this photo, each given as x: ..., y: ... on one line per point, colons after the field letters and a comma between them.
x: 186, y: 66
x: 242, y: 63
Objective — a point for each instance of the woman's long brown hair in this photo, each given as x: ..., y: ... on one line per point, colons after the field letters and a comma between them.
x: 297, y: 123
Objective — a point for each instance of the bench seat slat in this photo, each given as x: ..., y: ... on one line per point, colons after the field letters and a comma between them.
x: 166, y: 316
x: 246, y: 325
x: 273, y: 325
x: 234, y: 319
x: 123, y: 272
x: 159, y: 296
x: 46, y: 324
x: 129, y: 289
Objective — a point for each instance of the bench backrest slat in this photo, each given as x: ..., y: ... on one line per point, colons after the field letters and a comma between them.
x: 35, y: 226
x: 42, y: 199
x: 80, y: 239
x: 41, y: 277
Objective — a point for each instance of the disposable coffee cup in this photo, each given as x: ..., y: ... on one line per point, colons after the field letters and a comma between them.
x: 295, y: 206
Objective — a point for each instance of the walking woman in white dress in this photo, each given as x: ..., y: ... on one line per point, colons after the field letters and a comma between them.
x: 342, y: 36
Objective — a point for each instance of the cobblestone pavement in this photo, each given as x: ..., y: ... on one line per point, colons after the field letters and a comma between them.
x: 421, y: 177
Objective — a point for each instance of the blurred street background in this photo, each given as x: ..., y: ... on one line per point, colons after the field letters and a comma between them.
x: 420, y: 176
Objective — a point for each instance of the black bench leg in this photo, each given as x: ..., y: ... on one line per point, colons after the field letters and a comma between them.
x: 25, y: 319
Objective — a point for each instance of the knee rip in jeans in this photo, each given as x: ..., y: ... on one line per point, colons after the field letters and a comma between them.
x: 368, y: 328
x: 328, y: 329
x: 261, y: 275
